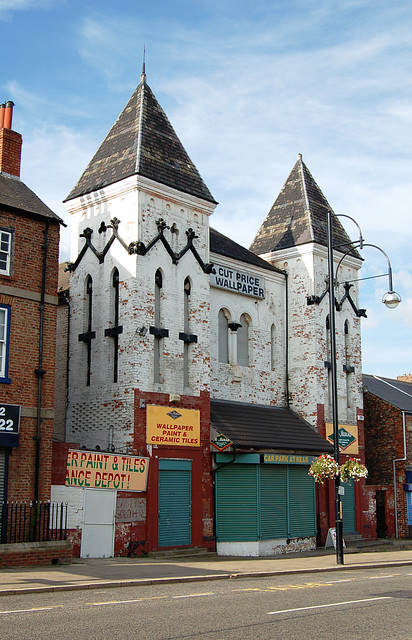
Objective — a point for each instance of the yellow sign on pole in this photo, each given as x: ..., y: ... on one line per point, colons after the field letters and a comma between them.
x: 348, y: 437
x: 106, y: 471
x: 173, y: 427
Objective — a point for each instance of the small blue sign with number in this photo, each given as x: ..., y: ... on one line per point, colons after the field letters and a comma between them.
x: 9, y: 425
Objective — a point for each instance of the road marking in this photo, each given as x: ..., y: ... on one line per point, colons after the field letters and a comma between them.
x: 333, y: 604
x: 194, y: 595
x: 381, y: 577
x: 343, y: 580
x: 102, y: 604
x: 306, y: 585
x: 58, y: 606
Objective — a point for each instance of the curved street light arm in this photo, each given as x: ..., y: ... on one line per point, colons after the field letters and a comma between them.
x: 389, y: 264
x: 343, y: 215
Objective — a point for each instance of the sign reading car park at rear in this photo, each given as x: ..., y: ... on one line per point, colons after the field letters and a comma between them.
x: 286, y: 458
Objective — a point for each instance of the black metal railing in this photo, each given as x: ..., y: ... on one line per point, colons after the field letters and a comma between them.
x: 32, y: 521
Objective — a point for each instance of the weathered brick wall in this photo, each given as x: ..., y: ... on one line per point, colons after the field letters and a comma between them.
x: 308, y: 376
x: 60, y: 387
x: 384, y: 439
x: 257, y: 382
x: 95, y: 409
x: 385, y: 443
x: 10, y: 151
x: 21, y: 291
x: 35, y: 554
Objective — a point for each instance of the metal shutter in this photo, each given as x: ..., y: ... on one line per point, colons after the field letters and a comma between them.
x: 274, y: 502
x: 237, y: 503
x: 348, y: 508
x: 302, y: 504
x: 175, y: 502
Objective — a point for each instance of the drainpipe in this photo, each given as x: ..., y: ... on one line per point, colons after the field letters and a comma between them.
x: 66, y: 301
x: 395, y: 490
x: 40, y: 371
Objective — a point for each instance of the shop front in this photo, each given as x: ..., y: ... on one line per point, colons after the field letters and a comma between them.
x: 265, y: 499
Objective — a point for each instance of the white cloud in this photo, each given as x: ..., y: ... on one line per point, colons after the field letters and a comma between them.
x: 52, y: 162
x: 7, y: 7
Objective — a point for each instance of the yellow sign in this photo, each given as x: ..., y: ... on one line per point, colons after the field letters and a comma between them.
x: 106, y: 471
x: 279, y: 458
x: 172, y: 426
x: 348, y: 437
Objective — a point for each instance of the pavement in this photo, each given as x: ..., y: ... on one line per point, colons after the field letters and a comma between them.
x: 88, y: 573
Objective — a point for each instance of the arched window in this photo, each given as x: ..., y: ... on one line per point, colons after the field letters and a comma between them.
x: 243, y: 341
x: 348, y: 368
x: 89, y: 334
x: 186, y: 327
x: 157, y: 322
x: 115, y: 316
x: 223, y: 336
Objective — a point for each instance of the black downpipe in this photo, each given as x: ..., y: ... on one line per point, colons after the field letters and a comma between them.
x: 66, y: 300
x: 40, y: 371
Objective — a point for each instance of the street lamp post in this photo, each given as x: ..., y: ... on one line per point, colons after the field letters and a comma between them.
x: 391, y: 299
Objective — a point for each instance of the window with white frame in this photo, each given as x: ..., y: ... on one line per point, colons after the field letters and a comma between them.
x: 4, y: 342
x: 6, y: 238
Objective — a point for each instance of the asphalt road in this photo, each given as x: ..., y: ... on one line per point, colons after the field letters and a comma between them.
x: 373, y: 604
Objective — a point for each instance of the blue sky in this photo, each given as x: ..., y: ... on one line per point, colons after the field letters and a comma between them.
x: 247, y: 86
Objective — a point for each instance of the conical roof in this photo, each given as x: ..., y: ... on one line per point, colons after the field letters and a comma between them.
x: 142, y: 141
x: 299, y: 216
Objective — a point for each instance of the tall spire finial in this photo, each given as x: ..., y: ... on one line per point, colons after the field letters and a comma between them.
x: 143, y: 76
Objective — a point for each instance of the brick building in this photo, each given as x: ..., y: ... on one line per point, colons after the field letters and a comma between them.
x: 196, y: 364
x: 29, y: 233
x: 388, y: 446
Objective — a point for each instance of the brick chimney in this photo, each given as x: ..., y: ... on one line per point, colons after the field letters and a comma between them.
x: 10, y: 142
x: 407, y: 377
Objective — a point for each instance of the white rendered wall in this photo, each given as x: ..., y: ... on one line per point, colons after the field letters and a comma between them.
x: 258, y: 382
x: 308, y: 377
x: 138, y: 204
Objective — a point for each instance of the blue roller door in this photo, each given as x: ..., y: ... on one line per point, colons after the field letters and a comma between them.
x: 175, y: 503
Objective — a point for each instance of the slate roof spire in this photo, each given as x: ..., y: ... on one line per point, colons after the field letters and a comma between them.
x: 142, y: 142
x: 298, y: 217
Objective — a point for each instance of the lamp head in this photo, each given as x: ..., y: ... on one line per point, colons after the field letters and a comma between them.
x: 391, y: 299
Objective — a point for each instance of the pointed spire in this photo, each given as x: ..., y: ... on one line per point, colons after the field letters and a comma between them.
x: 298, y: 216
x: 142, y: 142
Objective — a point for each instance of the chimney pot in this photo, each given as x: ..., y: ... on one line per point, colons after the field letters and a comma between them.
x: 8, y: 114
x: 2, y: 116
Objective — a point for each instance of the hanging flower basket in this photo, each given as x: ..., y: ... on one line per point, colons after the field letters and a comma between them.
x: 353, y: 469
x: 323, y: 468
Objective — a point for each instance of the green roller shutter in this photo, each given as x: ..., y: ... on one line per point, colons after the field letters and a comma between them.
x: 348, y: 508
x: 175, y: 522
x: 237, y: 503
x: 264, y: 502
x: 302, y: 505
x: 274, y: 502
